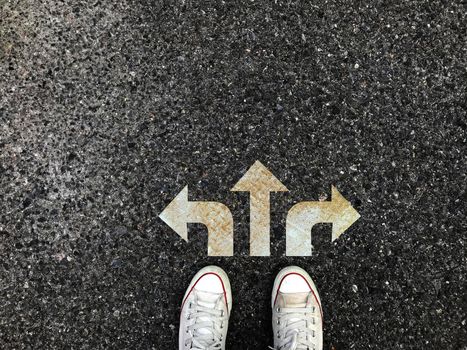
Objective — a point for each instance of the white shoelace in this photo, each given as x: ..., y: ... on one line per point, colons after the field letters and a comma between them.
x: 298, y: 332
x: 207, y: 327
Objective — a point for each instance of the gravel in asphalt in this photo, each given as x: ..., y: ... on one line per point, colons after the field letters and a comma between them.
x: 108, y: 109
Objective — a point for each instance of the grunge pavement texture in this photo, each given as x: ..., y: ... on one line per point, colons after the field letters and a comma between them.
x: 108, y: 109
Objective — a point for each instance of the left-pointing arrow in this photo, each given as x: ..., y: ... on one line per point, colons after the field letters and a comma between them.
x: 214, y: 215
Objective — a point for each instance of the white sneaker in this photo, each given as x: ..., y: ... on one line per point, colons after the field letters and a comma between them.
x: 204, y: 318
x: 297, y: 317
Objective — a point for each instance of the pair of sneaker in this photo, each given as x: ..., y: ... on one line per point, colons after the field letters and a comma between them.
x: 296, y: 311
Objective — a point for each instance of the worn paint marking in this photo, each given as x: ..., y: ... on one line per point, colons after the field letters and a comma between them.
x: 215, y: 216
x: 259, y: 181
x: 304, y: 215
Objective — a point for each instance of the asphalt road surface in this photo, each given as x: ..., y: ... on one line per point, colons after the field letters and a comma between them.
x: 108, y: 109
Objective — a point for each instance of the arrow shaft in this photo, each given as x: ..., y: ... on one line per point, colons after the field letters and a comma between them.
x: 260, y: 224
x: 219, y: 222
x: 300, y: 220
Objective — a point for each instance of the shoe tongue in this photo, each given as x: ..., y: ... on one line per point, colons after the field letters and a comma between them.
x: 298, y: 300
x: 208, y: 300
x: 294, y: 300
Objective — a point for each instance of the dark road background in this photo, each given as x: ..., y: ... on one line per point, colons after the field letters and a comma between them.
x: 108, y: 109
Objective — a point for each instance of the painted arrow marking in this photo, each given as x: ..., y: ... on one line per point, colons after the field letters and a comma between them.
x: 215, y: 216
x: 304, y: 215
x: 259, y: 181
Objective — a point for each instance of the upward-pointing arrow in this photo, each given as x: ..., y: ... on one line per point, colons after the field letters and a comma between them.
x: 215, y: 216
x: 304, y: 215
x: 259, y: 181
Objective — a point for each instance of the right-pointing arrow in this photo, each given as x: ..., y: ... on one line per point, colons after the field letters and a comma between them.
x: 215, y: 216
x: 304, y: 215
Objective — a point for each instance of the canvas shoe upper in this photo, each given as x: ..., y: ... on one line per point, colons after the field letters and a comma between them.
x: 205, y: 311
x: 296, y: 311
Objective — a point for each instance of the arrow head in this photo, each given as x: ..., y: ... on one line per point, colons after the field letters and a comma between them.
x: 259, y: 179
x: 176, y: 213
x: 346, y: 215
